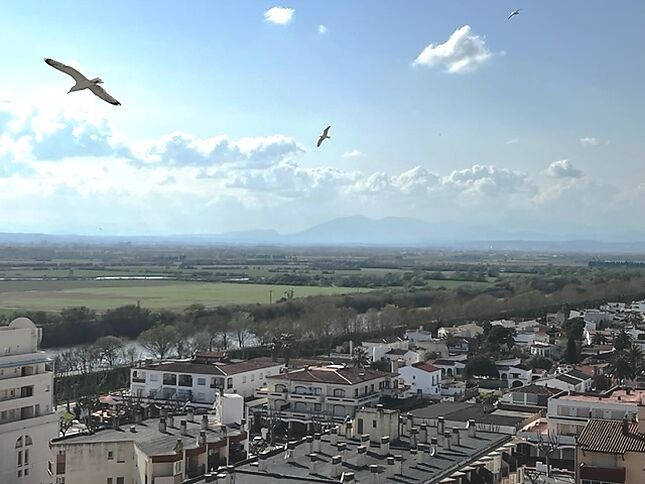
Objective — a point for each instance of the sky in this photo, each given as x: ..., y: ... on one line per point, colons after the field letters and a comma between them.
x: 443, y: 111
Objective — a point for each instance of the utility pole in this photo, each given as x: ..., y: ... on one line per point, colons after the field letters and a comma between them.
x: 270, y: 295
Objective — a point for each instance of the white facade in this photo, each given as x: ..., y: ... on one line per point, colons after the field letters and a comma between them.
x: 422, y: 377
x: 376, y: 349
x: 546, y: 350
x: 199, y: 382
x: 408, y: 357
x: 567, y: 381
x: 418, y: 335
x: 27, y: 417
x: 470, y: 330
x: 516, y: 375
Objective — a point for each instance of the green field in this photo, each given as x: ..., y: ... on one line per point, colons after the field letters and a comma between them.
x: 101, y: 295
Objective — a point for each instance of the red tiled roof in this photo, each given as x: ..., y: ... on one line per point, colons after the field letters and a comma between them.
x: 426, y: 366
x: 609, y: 437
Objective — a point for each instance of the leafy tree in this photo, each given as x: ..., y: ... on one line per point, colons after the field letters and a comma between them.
x: 622, y: 340
x: 598, y: 339
x: 541, y: 362
x: 573, y: 328
x: 282, y: 345
x: 108, y: 350
x: 159, y: 340
x: 66, y: 422
x: 571, y: 354
x: 481, y: 366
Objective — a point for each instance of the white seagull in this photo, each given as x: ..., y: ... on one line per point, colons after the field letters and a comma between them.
x: 514, y: 13
x: 83, y: 82
x: 323, y: 136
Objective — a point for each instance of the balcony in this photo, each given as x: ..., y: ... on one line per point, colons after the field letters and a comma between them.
x: 304, y: 397
x: 138, y: 379
x: 359, y: 400
x: 602, y: 474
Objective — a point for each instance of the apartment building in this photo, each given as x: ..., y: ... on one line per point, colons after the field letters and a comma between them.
x: 325, y: 393
x: 612, y: 451
x: 164, y: 451
x: 198, y: 380
x: 27, y: 417
x: 568, y: 414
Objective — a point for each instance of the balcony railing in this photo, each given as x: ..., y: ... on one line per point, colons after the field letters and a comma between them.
x: 137, y: 379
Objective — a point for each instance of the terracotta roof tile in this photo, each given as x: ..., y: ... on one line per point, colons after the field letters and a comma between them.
x: 609, y: 437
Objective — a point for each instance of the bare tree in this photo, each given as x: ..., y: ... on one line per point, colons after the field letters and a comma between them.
x: 547, y: 445
x: 159, y: 340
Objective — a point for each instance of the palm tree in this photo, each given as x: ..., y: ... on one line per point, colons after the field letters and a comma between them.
x: 635, y: 357
x: 599, y: 339
x: 620, y: 367
x: 622, y: 340
x: 360, y: 358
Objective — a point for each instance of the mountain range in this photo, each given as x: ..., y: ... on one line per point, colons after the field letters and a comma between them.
x: 359, y: 230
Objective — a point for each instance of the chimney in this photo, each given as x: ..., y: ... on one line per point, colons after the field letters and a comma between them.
x: 440, y: 426
x: 447, y: 441
x: 421, y: 455
x: 413, y: 437
x: 315, y: 463
x: 171, y: 421
x: 365, y: 441
x: 351, y: 348
x: 385, y: 446
x: 138, y: 417
x: 408, y: 423
x: 399, y: 464
x: 183, y: 427
x: 291, y: 447
x: 190, y: 414
x: 262, y: 461
x: 348, y: 477
x: 414, y: 455
x: 115, y: 422
x: 179, y: 446
x: 201, y: 439
x: 390, y: 463
x: 342, y: 450
x: 348, y: 430
x: 423, y: 433
x: 360, y: 458
x: 336, y: 466
x: 431, y: 450
x: 394, y: 366
x: 641, y: 418
x: 164, y: 412
x: 162, y: 425
x: 230, y: 472
x: 625, y: 425
x: 204, y: 425
x: 333, y: 436
x: 309, y: 439
x: 455, y: 436
x: 317, y: 444
x: 374, y: 478
x: 472, y: 429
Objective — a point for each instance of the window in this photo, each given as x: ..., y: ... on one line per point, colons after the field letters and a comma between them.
x: 185, y: 381
x: 229, y: 383
x: 110, y: 480
x: 120, y: 480
x: 110, y: 455
x: 317, y: 407
x: 372, y: 388
x: 356, y: 392
x: 154, y: 377
x: 201, y: 381
x: 373, y: 424
x: 252, y: 376
x: 244, y: 379
x: 169, y: 379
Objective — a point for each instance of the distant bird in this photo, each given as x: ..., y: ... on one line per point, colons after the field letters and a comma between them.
x: 83, y: 82
x: 514, y: 13
x: 323, y: 136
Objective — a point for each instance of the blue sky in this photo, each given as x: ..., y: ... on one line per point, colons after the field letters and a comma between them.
x: 541, y: 132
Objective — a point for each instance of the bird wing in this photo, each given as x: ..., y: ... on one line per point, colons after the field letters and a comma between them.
x: 516, y: 12
x: 70, y: 71
x: 326, y: 131
x: 320, y: 140
x: 102, y: 93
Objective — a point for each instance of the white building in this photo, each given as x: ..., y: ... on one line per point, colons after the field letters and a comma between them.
x: 517, y: 375
x: 451, y: 368
x: 164, y: 451
x: 546, y: 350
x: 597, y: 316
x: 27, y: 417
x: 325, y: 393
x: 198, y: 380
x: 423, y: 377
x: 572, y: 380
x: 418, y: 335
x: 470, y: 330
x: 504, y: 323
x: 528, y: 337
x: 408, y: 357
x: 567, y: 415
x: 378, y: 347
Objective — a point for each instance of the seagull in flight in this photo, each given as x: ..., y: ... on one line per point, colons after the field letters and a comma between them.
x: 514, y: 13
x: 323, y: 136
x: 83, y: 82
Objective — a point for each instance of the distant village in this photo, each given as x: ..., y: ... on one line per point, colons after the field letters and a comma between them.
x: 558, y: 399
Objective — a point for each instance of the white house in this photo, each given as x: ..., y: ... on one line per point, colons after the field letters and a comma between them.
x: 423, y: 377
x: 408, y: 356
x: 572, y: 380
x: 505, y: 323
x: 470, y: 330
x: 418, y: 335
x: 27, y: 417
x: 517, y: 374
x: 546, y: 350
x: 451, y: 368
x: 198, y: 380
x: 528, y: 337
x: 378, y: 347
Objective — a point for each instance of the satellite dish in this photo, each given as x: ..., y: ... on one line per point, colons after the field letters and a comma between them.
x: 433, y: 451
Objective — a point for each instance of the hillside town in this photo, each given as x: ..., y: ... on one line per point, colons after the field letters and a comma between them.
x: 558, y: 399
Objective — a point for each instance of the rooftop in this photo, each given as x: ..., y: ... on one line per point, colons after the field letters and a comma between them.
x: 416, y: 466
x: 397, y: 352
x: 384, y: 340
x: 216, y: 368
x: 617, y: 396
x: 462, y: 412
x: 426, y: 366
x: 536, y: 389
x: 332, y: 374
x: 610, y: 436
x: 150, y: 439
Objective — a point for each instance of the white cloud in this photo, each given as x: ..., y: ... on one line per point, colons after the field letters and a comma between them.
x: 322, y: 30
x: 462, y: 52
x: 353, y: 154
x: 563, y: 169
x: 279, y: 15
x: 512, y: 141
x: 592, y: 142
